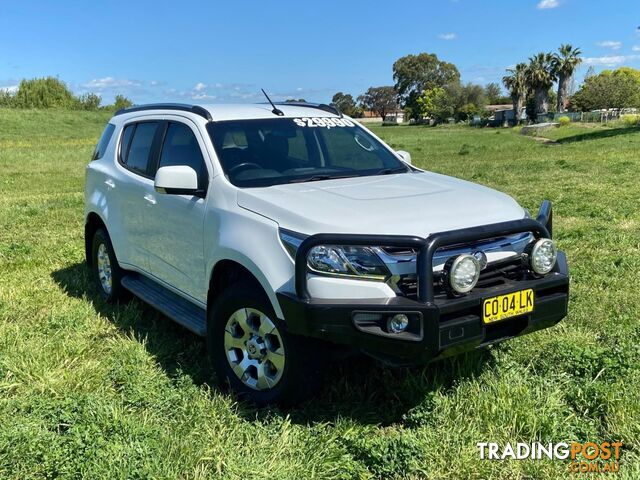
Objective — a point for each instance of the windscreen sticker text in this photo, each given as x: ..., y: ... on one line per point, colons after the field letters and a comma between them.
x: 323, y: 122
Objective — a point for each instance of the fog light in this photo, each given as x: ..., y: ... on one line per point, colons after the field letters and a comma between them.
x: 398, y: 323
x: 543, y: 256
x: 463, y: 272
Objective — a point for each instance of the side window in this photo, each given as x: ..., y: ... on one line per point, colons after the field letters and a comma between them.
x: 125, y: 141
x: 135, y: 156
x: 181, y: 147
x: 101, y: 147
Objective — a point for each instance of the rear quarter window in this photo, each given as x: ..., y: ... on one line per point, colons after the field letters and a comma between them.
x: 103, y: 143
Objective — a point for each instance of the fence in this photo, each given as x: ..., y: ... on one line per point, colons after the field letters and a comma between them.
x: 597, y: 116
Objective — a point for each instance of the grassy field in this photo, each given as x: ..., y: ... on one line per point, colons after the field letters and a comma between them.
x: 93, y: 391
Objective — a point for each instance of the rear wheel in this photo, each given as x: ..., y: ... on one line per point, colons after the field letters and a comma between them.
x: 106, y: 271
x: 252, y: 351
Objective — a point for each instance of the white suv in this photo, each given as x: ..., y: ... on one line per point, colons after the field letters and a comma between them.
x: 276, y: 231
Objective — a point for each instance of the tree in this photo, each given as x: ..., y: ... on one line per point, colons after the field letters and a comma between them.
x: 414, y: 74
x: 516, y: 83
x: 564, y: 63
x: 493, y: 92
x: 346, y: 104
x: 540, y: 78
x: 609, y: 89
x: 44, y: 93
x: 465, y: 100
x: 121, y: 102
x: 460, y: 102
x: 380, y: 100
x: 434, y: 103
x: 89, y: 101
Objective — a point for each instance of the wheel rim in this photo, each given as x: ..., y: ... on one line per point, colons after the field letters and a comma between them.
x: 254, y: 349
x: 104, y: 269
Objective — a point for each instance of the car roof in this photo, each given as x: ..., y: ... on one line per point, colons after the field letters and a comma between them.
x: 239, y: 111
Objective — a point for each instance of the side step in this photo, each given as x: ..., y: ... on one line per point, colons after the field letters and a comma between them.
x: 175, y: 307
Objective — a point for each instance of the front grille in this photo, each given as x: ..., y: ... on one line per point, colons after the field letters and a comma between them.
x: 476, y: 245
x: 495, y: 275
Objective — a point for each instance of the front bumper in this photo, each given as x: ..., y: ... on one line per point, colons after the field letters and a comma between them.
x: 438, y: 326
x: 446, y: 327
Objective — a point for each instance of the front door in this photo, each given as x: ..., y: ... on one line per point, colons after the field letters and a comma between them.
x: 175, y: 224
x: 133, y: 190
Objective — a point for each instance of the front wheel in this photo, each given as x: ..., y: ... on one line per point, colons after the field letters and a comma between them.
x: 252, y: 352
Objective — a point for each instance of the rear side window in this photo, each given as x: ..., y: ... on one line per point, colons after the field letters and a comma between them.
x: 136, y: 144
x: 125, y: 141
x: 181, y: 147
x: 101, y: 147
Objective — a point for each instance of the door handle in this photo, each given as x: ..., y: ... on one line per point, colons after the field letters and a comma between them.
x: 110, y: 183
x: 150, y: 198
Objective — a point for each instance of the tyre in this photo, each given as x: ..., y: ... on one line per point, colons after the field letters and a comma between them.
x: 106, y: 271
x: 253, y: 353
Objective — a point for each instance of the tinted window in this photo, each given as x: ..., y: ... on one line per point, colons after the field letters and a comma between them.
x: 181, y: 147
x: 127, y: 133
x: 256, y: 153
x: 137, y: 156
x: 101, y: 147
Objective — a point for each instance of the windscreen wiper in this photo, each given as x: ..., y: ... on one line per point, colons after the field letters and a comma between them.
x: 315, y: 178
x: 389, y: 171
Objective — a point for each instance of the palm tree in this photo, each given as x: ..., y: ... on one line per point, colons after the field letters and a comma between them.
x: 540, y: 78
x: 516, y: 83
x: 564, y: 64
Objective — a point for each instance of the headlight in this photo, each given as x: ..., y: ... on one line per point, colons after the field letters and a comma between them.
x: 462, y: 272
x: 340, y: 260
x: 543, y: 256
x: 347, y: 260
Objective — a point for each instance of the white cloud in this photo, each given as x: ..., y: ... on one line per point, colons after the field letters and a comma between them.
x: 9, y: 89
x: 546, y: 4
x: 610, y: 60
x: 203, y: 96
x: 612, y: 44
x: 200, y: 87
x: 447, y: 36
x: 110, y: 82
x: 636, y: 48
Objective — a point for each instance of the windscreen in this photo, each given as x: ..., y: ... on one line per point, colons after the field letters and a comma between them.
x: 264, y: 152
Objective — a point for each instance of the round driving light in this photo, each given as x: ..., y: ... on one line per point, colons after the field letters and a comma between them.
x: 398, y: 323
x: 463, y: 272
x: 543, y: 256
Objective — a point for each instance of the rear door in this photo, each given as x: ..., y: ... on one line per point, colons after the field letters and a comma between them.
x: 175, y: 223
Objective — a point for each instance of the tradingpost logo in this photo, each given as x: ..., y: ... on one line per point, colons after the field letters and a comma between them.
x: 588, y: 457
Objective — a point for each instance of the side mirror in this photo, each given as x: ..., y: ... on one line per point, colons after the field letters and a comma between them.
x: 405, y: 156
x: 177, y: 180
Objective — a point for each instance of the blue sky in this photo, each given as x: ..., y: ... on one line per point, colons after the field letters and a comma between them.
x: 211, y: 51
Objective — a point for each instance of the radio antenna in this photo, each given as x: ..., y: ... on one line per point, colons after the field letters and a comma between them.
x: 276, y: 110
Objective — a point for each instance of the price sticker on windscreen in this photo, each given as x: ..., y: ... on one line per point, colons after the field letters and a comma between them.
x: 320, y: 122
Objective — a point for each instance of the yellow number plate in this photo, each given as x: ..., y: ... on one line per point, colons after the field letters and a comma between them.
x: 506, y: 306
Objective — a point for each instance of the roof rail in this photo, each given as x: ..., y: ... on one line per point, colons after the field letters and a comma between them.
x: 184, y: 107
x: 319, y: 106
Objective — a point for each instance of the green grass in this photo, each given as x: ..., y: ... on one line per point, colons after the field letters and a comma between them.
x: 93, y: 391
